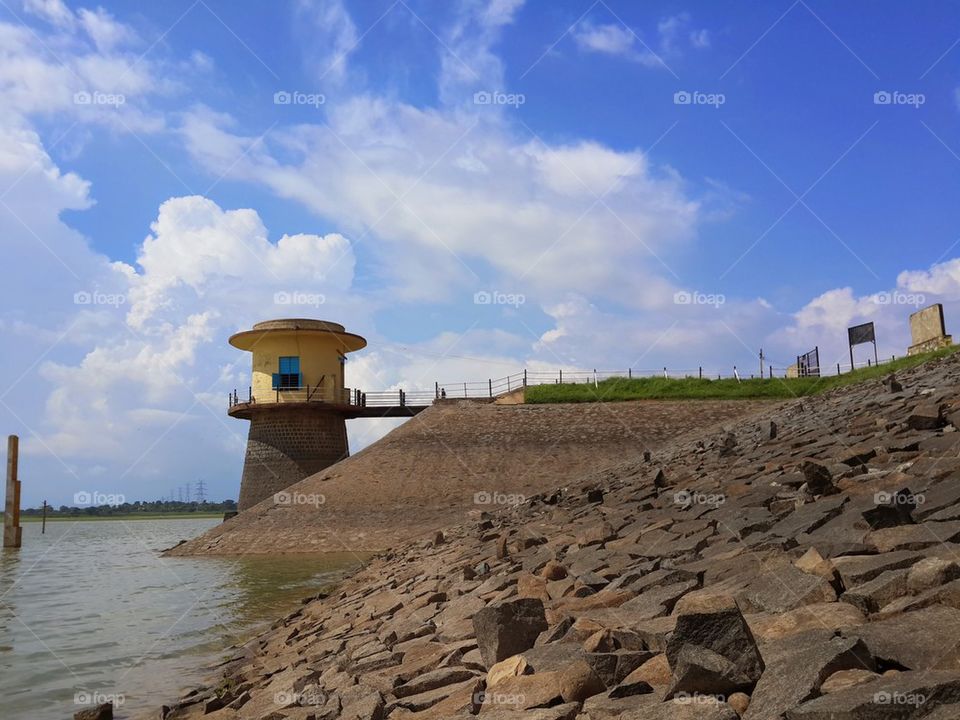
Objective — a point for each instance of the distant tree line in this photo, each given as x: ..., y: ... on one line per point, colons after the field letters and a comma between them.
x: 140, y: 506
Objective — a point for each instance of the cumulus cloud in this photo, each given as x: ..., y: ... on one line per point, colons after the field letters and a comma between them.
x: 579, y: 217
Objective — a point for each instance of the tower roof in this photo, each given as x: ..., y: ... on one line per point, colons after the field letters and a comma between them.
x: 247, y: 339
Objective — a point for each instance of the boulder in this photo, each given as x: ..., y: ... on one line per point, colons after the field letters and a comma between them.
x: 908, y: 640
x: 100, y: 712
x: 831, y: 616
x: 782, y: 586
x: 579, y: 681
x: 926, y: 416
x: 797, y: 667
x: 890, y: 509
x: 857, y: 569
x: 686, y: 708
x: 711, y: 641
x: 818, y: 477
x: 432, y: 680
x: 901, y: 697
x: 845, y: 679
x: 511, y: 667
x: 508, y: 628
x: 875, y: 594
x: 931, y: 572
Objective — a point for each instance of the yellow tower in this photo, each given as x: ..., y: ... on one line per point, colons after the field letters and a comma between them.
x: 297, y: 402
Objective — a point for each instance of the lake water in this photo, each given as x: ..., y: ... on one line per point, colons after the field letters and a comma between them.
x: 91, y: 611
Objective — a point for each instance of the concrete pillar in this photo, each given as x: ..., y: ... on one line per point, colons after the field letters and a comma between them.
x: 12, y: 532
x: 287, y: 443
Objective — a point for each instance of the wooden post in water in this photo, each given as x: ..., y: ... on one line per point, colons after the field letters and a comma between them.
x: 12, y: 532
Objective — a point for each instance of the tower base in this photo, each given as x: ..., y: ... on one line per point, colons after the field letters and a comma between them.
x: 286, y: 443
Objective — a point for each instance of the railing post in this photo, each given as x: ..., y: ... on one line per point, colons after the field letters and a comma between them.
x: 436, y: 390
x: 524, y: 377
x: 629, y: 373
x: 561, y: 377
x: 701, y: 372
x: 250, y: 392
x: 838, y: 368
x: 490, y: 386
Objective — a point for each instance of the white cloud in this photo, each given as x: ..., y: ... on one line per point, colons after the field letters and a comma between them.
x: 543, y: 227
x: 104, y: 30
x: 674, y: 35
x: 330, y: 36
x: 467, y: 60
x: 53, y: 11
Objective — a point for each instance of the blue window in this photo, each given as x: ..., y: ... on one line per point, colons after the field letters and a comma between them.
x: 289, y: 377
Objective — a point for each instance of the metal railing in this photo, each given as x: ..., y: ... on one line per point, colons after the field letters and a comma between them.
x: 494, y: 388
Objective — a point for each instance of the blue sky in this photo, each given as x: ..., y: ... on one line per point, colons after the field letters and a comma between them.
x: 430, y: 151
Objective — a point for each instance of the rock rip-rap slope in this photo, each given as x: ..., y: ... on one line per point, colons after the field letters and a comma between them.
x: 803, y: 566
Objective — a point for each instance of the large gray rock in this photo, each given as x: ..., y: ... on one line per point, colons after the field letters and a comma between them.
x: 797, y: 667
x: 508, y: 628
x: 783, y: 586
x: 712, y: 641
x: 901, y: 697
x: 694, y: 708
x: 920, y: 640
x: 874, y: 594
x: 699, y: 671
x: 857, y: 569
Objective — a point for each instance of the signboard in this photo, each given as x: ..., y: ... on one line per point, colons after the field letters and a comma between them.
x: 859, y: 334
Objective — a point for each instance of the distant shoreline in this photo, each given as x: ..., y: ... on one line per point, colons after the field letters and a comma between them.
x: 129, y: 516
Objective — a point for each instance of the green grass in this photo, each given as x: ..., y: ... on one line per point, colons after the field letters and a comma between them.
x: 127, y: 516
x: 658, y: 388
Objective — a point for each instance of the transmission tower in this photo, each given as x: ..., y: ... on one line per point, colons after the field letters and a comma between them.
x: 201, y: 491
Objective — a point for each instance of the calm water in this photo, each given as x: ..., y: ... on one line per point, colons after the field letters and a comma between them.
x: 91, y: 608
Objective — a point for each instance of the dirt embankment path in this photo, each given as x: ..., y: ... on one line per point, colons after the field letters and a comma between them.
x: 453, y: 459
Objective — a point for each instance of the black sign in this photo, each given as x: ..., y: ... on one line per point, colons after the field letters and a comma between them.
x: 859, y: 334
